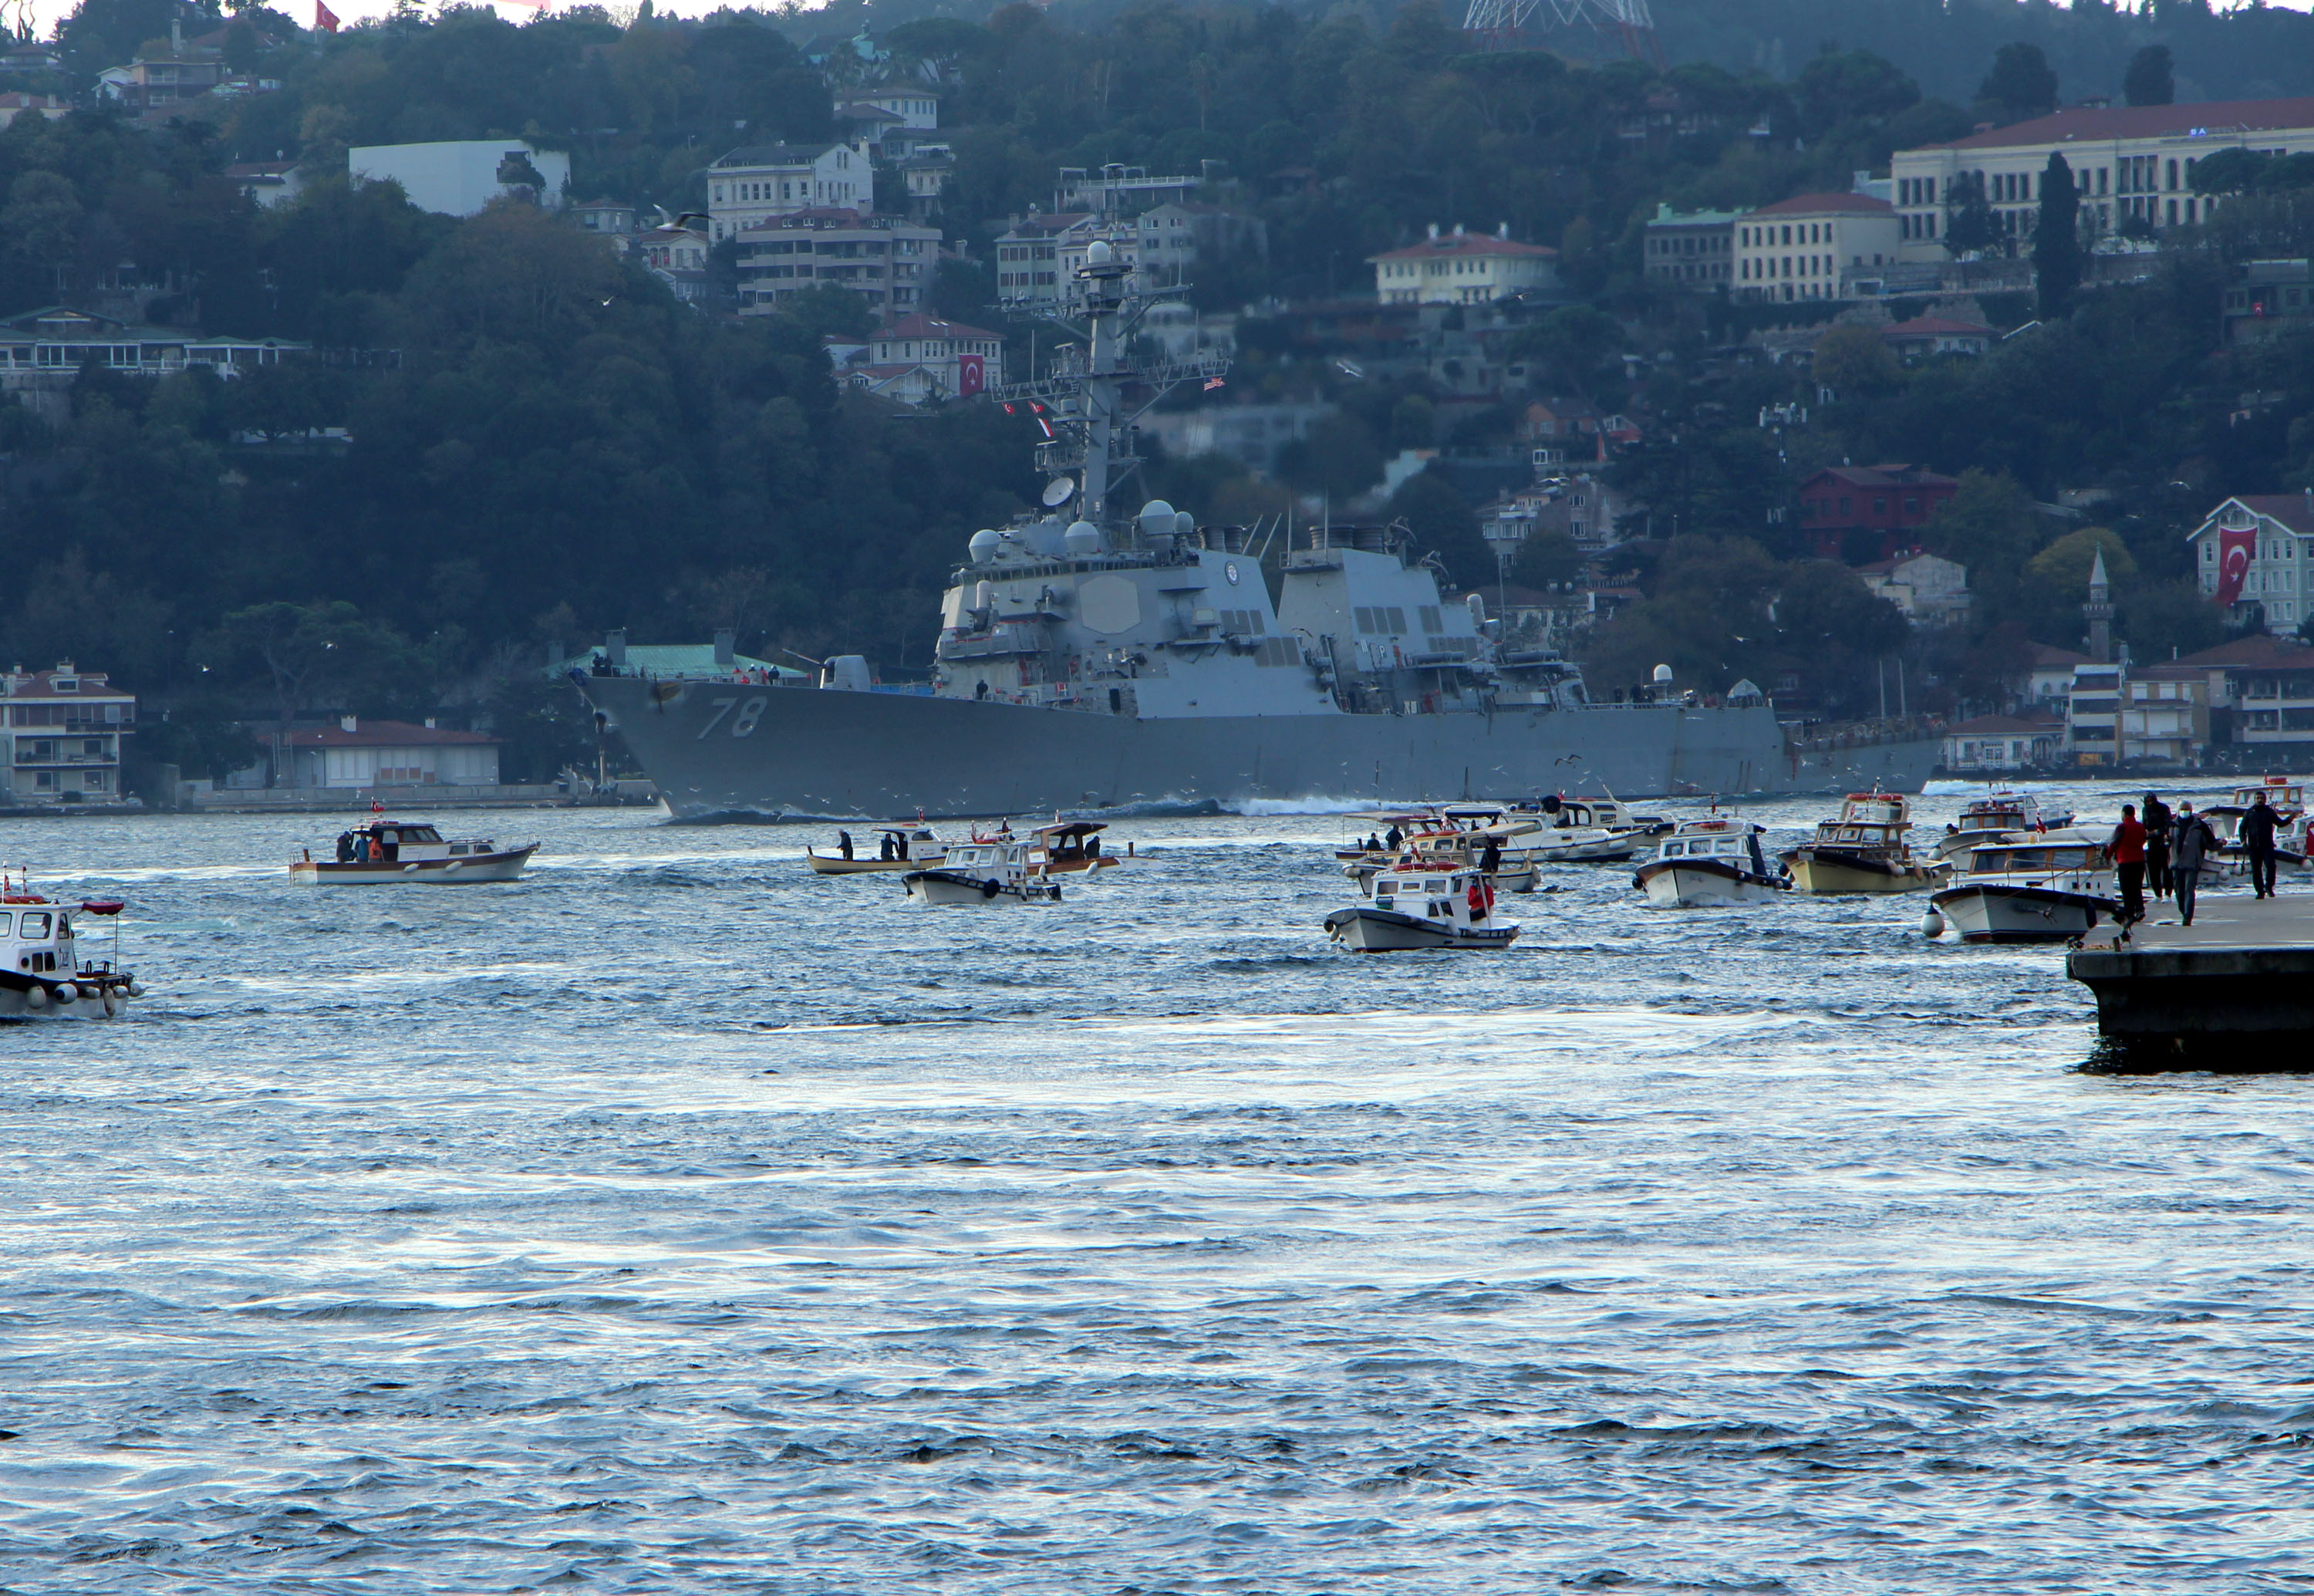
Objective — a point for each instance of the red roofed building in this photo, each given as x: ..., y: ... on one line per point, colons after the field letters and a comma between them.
x: 386, y: 753
x: 1869, y: 513
x: 1814, y: 246
x: 2126, y: 160
x: 1926, y: 336
x: 1460, y: 268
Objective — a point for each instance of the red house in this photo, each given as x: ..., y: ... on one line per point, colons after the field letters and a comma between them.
x: 1865, y: 513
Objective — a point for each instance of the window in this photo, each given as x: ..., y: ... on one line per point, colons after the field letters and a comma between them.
x: 36, y: 925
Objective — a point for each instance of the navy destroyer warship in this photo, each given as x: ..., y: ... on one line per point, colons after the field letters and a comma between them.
x: 1099, y: 657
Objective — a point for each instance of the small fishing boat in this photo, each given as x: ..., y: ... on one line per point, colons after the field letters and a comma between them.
x: 900, y: 848
x: 43, y: 972
x: 382, y: 851
x: 1419, y: 904
x: 1709, y: 864
x: 1008, y: 869
x: 1864, y: 850
x: 2045, y: 889
x: 2000, y: 815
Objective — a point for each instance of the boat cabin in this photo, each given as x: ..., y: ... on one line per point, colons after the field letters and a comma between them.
x: 905, y: 842
x: 1065, y: 844
x: 38, y: 937
x: 390, y: 840
x: 2283, y: 796
x: 2037, y: 859
x: 1711, y: 839
x: 1433, y: 894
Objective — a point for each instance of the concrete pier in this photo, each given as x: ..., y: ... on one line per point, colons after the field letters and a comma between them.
x: 2233, y: 991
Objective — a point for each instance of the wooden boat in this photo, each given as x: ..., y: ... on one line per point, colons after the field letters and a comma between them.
x: 1864, y: 850
x: 2046, y: 889
x: 906, y: 848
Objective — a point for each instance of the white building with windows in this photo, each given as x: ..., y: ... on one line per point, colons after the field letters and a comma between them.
x: 1028, y: 255
x: 1814, y: 246
x: 1460, y: 268
x: 1693, y: 250
x: 368, y: 754
x: 763, y: 182
x: 2259, y: 549
x: 2126, y: 160
x: 886, y: 260
x: 62, y: 735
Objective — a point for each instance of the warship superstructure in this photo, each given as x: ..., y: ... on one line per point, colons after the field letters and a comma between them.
x: 1092, y: 659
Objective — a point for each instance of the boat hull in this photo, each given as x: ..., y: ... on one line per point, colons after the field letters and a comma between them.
x: 823, y: 864
x: 1998, y: 913
x: 1823, y: 872
x: 1386, y: 930
x: 1702, y: 883
x: 947, y: 889
x: 715, y: 750
x: 105, y: 997
x: 505, y: 864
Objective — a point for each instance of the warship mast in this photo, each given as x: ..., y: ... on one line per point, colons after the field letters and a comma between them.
x: 1093, y: 434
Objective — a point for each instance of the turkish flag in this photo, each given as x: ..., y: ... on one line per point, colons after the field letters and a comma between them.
x: 2235, y: 550
x: 325, y: 21
x: 971, y: 376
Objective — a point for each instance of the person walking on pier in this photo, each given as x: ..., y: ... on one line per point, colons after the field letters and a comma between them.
x: 2257, y: 829
x: 2191, y: 844
x: 2157, y: 822
x: 2127, y: 848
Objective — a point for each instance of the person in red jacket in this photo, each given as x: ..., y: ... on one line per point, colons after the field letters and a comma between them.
x: 2127, y: 847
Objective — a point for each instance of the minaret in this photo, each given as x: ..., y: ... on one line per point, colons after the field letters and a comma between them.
x: 2098, y: 613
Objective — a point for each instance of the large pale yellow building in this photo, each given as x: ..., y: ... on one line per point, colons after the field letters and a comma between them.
x: 2127, y: 161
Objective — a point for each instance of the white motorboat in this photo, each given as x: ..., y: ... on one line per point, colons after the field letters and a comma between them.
x: 1865, y: 850
x: 382, y: 850
x: 1707, y: 864
x: 898, y: 848
x: 1420, y: 904
x: 1991, y: 818
x: 43, y: 972
x: 2293, y: 843
x: 2042, y: 889
x: 1593, y: 831
x: 1008, y: 869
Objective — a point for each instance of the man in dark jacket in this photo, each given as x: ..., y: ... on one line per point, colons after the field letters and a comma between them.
x: 2157, y: 822
x: 2257, y: 829
x: 2192, y: 844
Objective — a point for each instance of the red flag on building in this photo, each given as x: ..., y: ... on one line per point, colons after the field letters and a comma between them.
x: 325, y: 21
x: 2235, y: 550
x: 971, y: 374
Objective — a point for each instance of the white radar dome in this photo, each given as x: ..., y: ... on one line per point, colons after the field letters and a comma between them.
x: 1663, y: 674
x: 1083, y: 538
x: 982, y: 547
x: 1099, y: 255
x: 1156, y: 518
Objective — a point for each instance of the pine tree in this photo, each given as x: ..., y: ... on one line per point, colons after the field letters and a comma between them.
x: 2056, y: 241
x: 2149, y: 80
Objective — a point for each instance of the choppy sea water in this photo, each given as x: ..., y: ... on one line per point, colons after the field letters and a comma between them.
x: 679, y: 1221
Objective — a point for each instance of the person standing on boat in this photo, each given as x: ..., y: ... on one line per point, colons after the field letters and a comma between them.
x: 2257, y: 829
x: 884, y: 847
x: 1490, y: 857
x: 1393, y: 837
x: 843, y: 844
x: 2191, y: 843
x: 2157, y: 821
x: 2127, y: 848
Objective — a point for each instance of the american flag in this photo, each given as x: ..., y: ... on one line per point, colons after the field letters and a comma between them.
x: 1213, y: 382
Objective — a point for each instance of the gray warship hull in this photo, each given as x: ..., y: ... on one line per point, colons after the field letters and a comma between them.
x: 718, y: 749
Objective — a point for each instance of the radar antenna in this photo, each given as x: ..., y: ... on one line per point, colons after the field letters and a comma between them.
x: 1499, y: 24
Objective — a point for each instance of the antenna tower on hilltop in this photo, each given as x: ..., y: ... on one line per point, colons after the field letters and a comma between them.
x: 1497, y: 24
